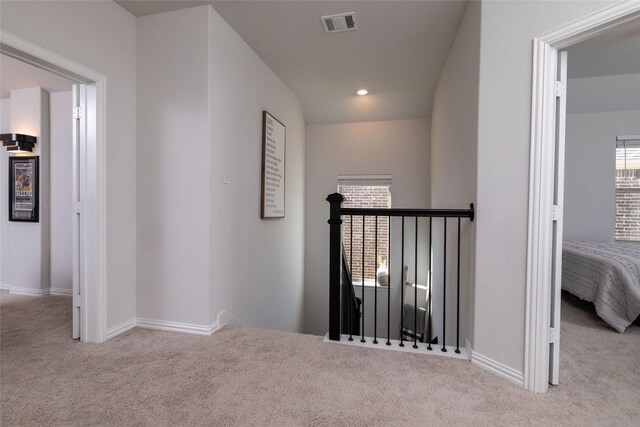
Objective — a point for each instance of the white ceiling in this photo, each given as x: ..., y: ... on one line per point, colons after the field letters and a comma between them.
x: 15, y: 74
x: 397, y: 53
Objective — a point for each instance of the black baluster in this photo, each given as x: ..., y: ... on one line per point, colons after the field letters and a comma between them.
x: 458, y: 296
x: 444, y: 291
x: 351, y: 244
x: 389, y: 280
x: 351, y: 270
x: 375, y: 288
x: 363, y: 259
x: 429, y: 284
x: 402, y: 288
x: 415, y: 293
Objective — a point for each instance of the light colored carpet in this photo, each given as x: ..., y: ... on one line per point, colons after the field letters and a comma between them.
x: 245, y: 376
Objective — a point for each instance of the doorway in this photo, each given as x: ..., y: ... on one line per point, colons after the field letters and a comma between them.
x: 89, y: 182
x: 542, y: 322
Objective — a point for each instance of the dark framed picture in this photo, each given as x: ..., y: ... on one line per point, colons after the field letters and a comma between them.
x: 273, y: 168
x: 24, y: 194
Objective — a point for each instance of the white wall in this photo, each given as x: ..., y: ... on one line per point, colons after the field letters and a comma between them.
x: 454, y: 140
x: 101, y: 36
x: 257, y: 266
x: 173, y: 168
x: 504, y: 128
x: 603, y: 93
x: 202, y: 247
x: 4, y: 242
x: 589, y: 195
x: 4, y: 115
x: 398, y: 148
x: 26, y: 266
x: 61, y: 191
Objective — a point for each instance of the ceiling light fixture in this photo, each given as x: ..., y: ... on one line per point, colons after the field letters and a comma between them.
x: 362, y: 92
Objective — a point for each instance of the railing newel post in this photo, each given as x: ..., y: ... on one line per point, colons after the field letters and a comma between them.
x: 335, y: 258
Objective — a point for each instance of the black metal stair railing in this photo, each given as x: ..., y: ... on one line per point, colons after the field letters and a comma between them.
x: 346, y: 310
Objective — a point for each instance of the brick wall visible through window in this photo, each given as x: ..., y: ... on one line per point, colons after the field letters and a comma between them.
x: 628, y: 204
x: 365, y: 196
x: 627, y: 193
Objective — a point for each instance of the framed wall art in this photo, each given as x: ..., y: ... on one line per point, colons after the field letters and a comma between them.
x: 24, y: 194
x: 273, y: 167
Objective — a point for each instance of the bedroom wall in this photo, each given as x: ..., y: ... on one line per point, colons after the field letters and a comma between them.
x: 589, y: 204
x: 603, y: 93
x: 454, y: 142
x: 504, y: 131
x: 28, y: 275
x: 400, y: 148
x: 60, y: 145
x: 101, y: 36
x: 61, y: 192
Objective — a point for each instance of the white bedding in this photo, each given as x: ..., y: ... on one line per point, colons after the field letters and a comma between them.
x: 607, y: 274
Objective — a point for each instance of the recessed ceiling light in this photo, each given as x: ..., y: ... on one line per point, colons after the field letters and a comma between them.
x: 362, y: 92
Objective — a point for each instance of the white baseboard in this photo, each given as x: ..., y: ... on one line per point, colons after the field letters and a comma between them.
x: 36, y: 292
x: 28, y: 291
x: 121, y: 328
x: 188, y: 328
x: 60, y: 292
x: 498, y: 368
x: 395, y: 346
x: 224, y: 318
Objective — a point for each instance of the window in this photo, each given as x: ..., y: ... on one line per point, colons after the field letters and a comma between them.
x: 628, y: 190
x: 366, y: 192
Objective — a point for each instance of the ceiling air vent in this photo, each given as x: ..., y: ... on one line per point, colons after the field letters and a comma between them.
x: 340, y: 22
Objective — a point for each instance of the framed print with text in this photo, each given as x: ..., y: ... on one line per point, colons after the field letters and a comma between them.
x: 273, y: 167
x: 23, y: 189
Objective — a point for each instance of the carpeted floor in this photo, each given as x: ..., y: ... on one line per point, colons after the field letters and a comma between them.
x: 245, y: 376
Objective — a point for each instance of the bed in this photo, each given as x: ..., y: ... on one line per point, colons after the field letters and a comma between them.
x: 607, y: 274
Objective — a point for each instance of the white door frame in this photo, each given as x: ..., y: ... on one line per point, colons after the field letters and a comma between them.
x: 541, y: 181
x: 93, y: 225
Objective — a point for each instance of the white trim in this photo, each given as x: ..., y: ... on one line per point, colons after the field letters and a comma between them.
x: 592, y: 24
x: 35, y: 292
x: 28, y: 291
x: 60, y: 292
x: 624, y: 138
x: 188, y: 328
x: 541, y: 182
x: 43, y: 58
x: 540, y: 221
x: 395, y: 346
x: 224, y: 318
x: 121, y: 328
x: 95, y: 296
x: 497, y: 368
x: 364, y: 177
